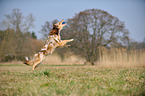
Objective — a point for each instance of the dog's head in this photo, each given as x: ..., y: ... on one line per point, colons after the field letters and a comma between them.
x: 59, y: 25
x: 57, y: 28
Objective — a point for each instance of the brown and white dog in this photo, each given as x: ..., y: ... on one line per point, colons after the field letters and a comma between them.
x: 52, y: 42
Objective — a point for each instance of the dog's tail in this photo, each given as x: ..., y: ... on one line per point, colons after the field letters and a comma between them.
x: 27, y: 62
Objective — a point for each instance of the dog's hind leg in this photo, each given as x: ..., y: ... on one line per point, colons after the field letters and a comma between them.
x: 36, y: 64
x: 38, y: 61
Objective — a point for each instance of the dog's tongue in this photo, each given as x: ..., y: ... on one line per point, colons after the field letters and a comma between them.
x: 63, y: 22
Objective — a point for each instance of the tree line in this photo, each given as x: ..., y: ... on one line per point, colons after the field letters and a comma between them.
x: 92, y: 29
x: 16, y: 41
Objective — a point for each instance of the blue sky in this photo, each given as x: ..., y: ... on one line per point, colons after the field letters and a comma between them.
x: 132, y: 12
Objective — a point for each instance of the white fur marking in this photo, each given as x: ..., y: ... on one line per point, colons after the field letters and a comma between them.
x: 26, y: 58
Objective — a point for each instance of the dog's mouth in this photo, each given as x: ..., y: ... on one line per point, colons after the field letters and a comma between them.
x: 63, y: 23
x: 60, y: 24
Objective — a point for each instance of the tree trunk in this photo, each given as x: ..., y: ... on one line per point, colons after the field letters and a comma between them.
x: 88, y: 63
x: 92, y: 63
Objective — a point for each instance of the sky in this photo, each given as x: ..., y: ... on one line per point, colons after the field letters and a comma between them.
x: 131, y: 12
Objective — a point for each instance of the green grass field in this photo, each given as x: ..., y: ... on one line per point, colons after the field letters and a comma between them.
x: 71, y: 81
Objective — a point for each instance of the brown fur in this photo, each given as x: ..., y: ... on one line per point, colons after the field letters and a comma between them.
x: 54, y: 31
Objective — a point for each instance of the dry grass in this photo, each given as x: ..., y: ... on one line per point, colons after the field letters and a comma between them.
x: 117, y: 57
x: 114, y: 57
x: 110, y: 77
x: 55, y: 59
x: 109, y: 58
x: 71, y: 81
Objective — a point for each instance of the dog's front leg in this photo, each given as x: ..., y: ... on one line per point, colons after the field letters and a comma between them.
x: 63, y: 43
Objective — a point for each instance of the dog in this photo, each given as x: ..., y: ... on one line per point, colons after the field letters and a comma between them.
x: 53, y: 41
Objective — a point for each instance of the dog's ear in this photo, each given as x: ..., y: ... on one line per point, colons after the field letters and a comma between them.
x: 54, y: 25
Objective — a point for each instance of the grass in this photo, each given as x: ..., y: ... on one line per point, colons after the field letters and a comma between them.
x: 121, y: 57
x: 113, y: 57
x: 71, y: 81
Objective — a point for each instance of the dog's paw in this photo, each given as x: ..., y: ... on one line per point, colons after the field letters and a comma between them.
x: 72, y: 39
x: 67, y: 45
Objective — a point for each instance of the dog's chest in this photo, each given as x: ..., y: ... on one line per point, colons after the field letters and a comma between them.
x: 51, y: 43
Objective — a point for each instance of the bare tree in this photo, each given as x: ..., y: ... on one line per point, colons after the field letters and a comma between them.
x: 47, y: 27
x: 18, y: 22
x: 6, y: 43
x: 16, y: 26
x: 92, y: 29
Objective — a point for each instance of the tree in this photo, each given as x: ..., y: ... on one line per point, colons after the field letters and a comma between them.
x: 18, y: 22
x: 7, y: 44
x: 33, y: 35
x: 92, y: 29
x: 47, y: 27
x: 16, y: 27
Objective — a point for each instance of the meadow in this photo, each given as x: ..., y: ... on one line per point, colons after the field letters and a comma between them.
x: 118, y: 72
x: 70, y: 80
